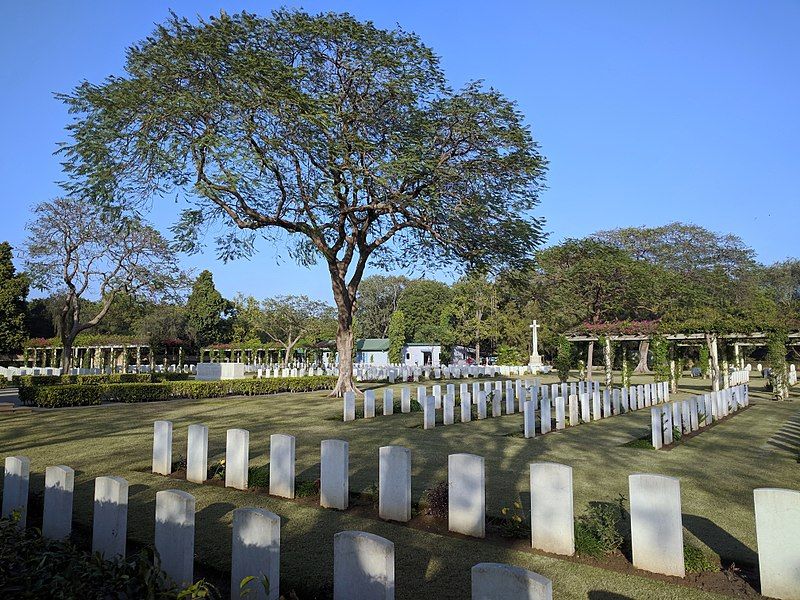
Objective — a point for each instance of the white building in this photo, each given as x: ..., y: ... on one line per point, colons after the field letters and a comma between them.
x: 375, y: 352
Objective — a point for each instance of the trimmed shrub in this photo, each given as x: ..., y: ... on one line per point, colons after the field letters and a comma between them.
x: 696, y: 561
x: 53, y: 396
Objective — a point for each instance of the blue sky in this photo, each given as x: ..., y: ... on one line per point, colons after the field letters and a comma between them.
x: 649, y: 112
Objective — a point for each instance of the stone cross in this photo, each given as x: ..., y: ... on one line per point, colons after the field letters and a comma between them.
x: 536, y: 360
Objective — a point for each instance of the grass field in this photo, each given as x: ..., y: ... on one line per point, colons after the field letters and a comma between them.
x: 718, y: 469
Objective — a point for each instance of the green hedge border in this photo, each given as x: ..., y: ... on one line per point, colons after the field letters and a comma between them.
x: 50, y: 380
x: 87, y: 394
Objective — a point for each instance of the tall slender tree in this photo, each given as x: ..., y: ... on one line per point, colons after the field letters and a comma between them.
x: 13, y: 294
x: 341, y: 140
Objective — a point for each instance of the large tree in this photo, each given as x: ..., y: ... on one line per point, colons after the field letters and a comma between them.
x: 341, y: 140
x: 13, y: 294
x: 289, y: 319
x: 377, y: 300
x: 473, y: 311
x: 79, y: 249
x: 424, y: 303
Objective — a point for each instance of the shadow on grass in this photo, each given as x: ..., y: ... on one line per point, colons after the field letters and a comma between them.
x: 604, y: 595
x: 728, y: 548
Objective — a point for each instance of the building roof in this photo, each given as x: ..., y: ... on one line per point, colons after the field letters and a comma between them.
x: 372, y: 345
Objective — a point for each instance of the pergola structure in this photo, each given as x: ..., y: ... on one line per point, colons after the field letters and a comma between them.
x: 260, y: 355
x: 93, y: 357
x: 711, y: 340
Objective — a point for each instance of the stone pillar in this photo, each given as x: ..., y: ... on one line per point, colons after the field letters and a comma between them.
x: 237, y: 458
x: 394, y: 483
x: 656, y: 526
x: 552, y: 517
x: 59, y: 483
x: 162, y: 447
x: 777, y: 532
x: 334, y: 474
x: 281, y: 465
x: 15, y: 488
x: 110, y: 524
x: 174, y: 535
x: 197, y: 454
x: 495, y: 581
x: 363, y: 566
x: 255, y: 552
x: 466, y: 494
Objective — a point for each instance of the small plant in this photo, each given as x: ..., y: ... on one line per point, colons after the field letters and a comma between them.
x: 514, y: 523
x: 258, y: 477
x: 696, y: 561
x: 597, y: 530
x: 371, y: 494
x: 306, y: 489
x: 436, y: 500
x: 179, y: 465
x: 217, y: 470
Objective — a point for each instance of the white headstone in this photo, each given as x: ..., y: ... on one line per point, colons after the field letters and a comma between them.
x: 560, y: 413
x: 552, y: 517
x: 334, y: 474
x: 369, y: 404
x: 110, y: 521
x: 197, y: 454
x: 349, y: 406
x: 174, y: 535
x: 237, y: 458
x: 529, y: 418
x: 363, y: 566
x: 656, y: 526
x: 59, y: 484
x: 466, y: 494
x: 495, y: 581
x: 405, y: 399
x: 394, y: 483
x: 388, y: 401
x: 281, y: 465
x: 256, y: 552
x: 162, y: 447
x: 777, y: 534
x: 15, y: 488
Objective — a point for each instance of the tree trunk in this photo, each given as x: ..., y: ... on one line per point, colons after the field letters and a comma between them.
x: 478, y: 352
x: 345, y: 307
x: 644, y: 348
x: 589, y: 360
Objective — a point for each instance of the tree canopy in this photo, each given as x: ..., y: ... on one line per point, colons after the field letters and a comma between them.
x: 207, y: 312
x: 339, y: 138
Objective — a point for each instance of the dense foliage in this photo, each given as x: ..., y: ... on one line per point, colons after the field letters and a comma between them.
x: 34, y: 567
x: 13, y: 293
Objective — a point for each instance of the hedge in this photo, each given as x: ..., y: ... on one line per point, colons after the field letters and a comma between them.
x: 53, y: 396
x: 42, y: 380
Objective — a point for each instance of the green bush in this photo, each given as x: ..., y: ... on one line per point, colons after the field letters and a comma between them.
x: 33, y: 567
x: 696, y: 561
x: 135, y: 392
x: 597, y: 531
x: 53, y: 396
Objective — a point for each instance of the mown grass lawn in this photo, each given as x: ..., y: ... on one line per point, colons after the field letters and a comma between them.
x: 718, y: 470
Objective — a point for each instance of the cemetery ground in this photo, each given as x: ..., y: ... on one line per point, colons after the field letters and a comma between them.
x: 718, y: 470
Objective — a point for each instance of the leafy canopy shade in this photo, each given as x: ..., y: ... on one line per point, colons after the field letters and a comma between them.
x: 339, y: 138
